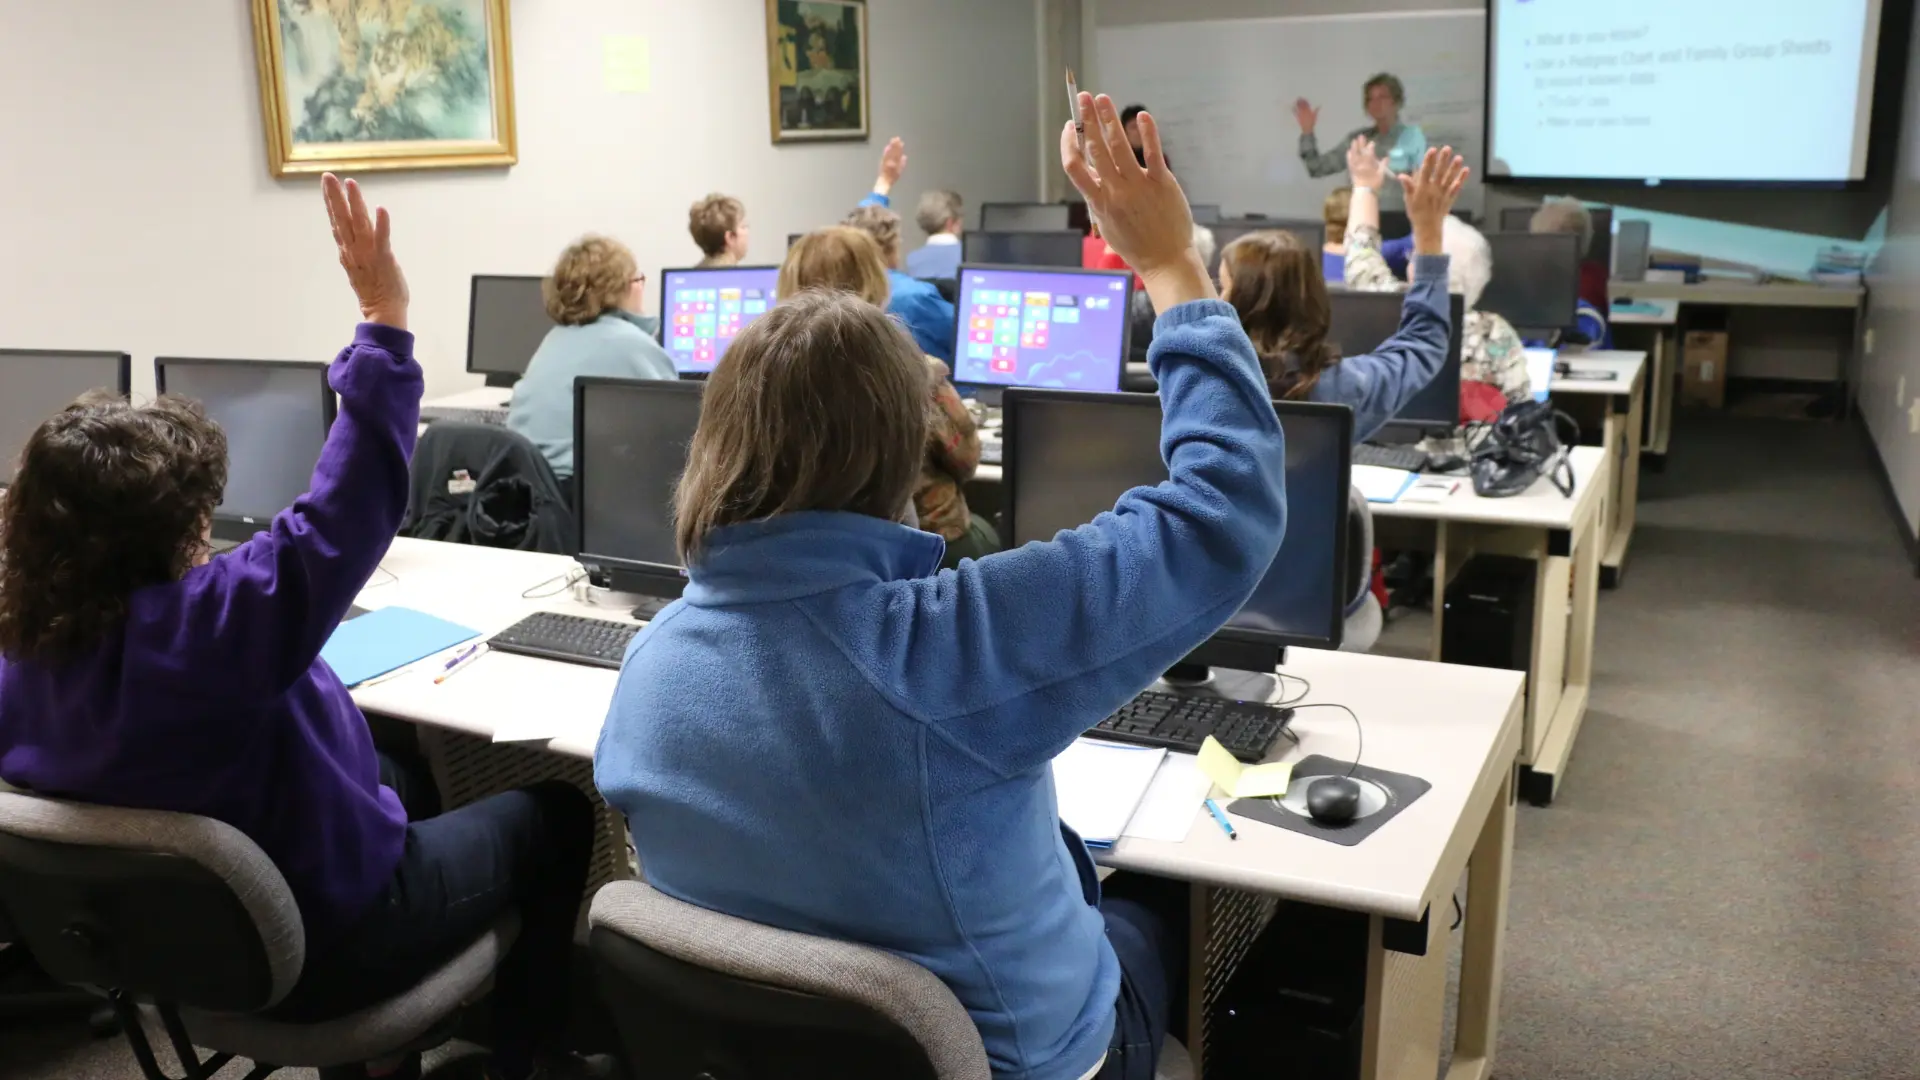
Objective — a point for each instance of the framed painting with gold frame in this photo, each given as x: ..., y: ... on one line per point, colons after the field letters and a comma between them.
x: 358, y: 85
x: 817, y: 69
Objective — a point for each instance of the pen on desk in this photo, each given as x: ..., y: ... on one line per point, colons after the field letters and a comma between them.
x: 462, y: 662
x: 462, y: 655
x: 1220, y: 816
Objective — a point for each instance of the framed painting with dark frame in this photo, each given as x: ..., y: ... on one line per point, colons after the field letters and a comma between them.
x: 357, y: 85
x: 817, y: 69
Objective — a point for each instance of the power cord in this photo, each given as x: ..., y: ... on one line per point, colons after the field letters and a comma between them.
x: 1458, y: 915
x: 1306, y: 688
x: 1359, y: 736
x: 564, y: 582
x: 392, y: 578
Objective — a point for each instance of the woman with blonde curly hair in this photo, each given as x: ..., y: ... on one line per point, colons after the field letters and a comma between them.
x: 594, y: 295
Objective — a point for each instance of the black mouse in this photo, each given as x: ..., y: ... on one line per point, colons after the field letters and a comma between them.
x: 1333, y: 800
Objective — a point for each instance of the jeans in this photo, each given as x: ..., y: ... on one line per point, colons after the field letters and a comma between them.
x: 1147, y: 927
x: 526, y: 850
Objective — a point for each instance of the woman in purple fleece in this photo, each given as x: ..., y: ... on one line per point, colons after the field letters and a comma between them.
x: 137, y: 671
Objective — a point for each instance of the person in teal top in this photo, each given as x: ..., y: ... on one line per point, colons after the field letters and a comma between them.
x: 1403, y: 145
x: 594, y: 295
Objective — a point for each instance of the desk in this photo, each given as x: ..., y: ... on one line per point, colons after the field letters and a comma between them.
x: 480, y: 397
x: 1617, y: 407
x: 1663, y: 355
x: 1561, y: 537
x: 1459, y: 728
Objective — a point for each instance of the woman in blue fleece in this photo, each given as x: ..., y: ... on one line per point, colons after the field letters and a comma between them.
x: 1274, y: 282
x: 828, y: 735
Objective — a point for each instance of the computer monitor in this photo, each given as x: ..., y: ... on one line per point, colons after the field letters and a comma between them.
x: 1601, y: 251
x: 1204, y: 213
x: 276, y: 414
x: 1632, y: 249
x: 1025, y: 327
x: 1057, y: 248
x: 1069, y: 457
x: 702, y: 311
x: 1363, y: 320
x: 1312, y: 234
x: 36, y: 383
x: 1536, y: 280
x: 1517, y: 218
x: 630, y: 439
x: 506, y: 321
x: 1025, y: 217
x: 1394, y: 224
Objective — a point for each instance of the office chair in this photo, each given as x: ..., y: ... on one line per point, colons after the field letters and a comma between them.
x: 695, y: 993
x: 184, y: 918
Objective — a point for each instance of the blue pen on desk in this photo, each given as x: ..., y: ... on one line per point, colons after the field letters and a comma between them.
x: 461, y: 662
x: 1220, y: 816
x: 462, y: 655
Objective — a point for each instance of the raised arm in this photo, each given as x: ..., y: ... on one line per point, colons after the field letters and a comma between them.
x: 893, y: 164
x: 1317, y: 163
x: 1379, y: 384
x: 1039, y: 643
x: 1367, y: 269
x: 276, y: 598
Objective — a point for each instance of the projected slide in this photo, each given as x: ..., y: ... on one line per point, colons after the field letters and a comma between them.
x: 1754, y: 90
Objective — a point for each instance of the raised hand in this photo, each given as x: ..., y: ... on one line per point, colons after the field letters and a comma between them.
x: 1367, y: 168
x: 893, y: 164
x: 366, y: 253
x: 1142, y: 212
x: 1431, y: 190
x: 1305, y: 115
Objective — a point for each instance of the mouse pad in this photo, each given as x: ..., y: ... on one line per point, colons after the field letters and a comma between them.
x: 1382, y: 795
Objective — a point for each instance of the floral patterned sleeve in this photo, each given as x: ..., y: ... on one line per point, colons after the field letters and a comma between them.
x: 1493, y: 354
x: 1367, y: 269
x: 953, y: 440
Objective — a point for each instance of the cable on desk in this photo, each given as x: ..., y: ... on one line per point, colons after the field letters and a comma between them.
x: 565, y: 582
x: 392, y: 577
x: 1306, y: 688
x: 1458, y: 915
x: 1359, y: 737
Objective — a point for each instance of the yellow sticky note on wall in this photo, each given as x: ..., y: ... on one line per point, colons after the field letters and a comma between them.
x: 626, y: 64
x: 1243, y: 781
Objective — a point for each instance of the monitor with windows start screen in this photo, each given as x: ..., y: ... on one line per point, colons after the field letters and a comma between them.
x: 1055, y: 328
x: 702, y: 311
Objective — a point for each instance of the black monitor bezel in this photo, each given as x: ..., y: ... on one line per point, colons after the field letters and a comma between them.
x: 702, y: 373
x: 659, y: 580
x: 232, y: 526
x: 1456, y: 349
x: 494, y: 378
x: 984, y: 207
x: 1501, y: 239
x: 1079, y: 240
x: 1230, y: 647
x: 124, y: 387
x: 989, y: 392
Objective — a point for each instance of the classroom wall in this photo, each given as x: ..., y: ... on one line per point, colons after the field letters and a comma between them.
x: 136, y: 211
x: 1890, y: 375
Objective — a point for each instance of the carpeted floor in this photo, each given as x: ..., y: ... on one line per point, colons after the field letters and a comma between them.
x: 1726, y: 886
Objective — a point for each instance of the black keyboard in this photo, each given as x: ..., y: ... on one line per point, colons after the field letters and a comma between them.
x: 1177, y: 722
x: 574, y: 639
x: 1390, y: 457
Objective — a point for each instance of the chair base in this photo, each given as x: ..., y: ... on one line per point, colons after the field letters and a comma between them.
x: 192, y: 1066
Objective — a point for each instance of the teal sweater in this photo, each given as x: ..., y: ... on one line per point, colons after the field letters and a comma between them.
x: 616, y: 345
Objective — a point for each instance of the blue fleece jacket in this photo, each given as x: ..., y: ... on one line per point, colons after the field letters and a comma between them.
x: 828, y: 734
x: 1377, y: 385
x: 928, y: 315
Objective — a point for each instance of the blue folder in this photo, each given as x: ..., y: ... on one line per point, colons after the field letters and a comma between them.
x: 387, y: 639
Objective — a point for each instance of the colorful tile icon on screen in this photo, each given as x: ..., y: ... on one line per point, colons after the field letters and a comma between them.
x: 1003, y: 365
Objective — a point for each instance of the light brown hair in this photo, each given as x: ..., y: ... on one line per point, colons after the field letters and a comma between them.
x: 1391, y: 82
x: 592, y: 278
x: 712, y: 218
x: 109, y: 498
x: 821, y: 405
x: 1281, y: 296
x: 1334, y: 212
x: 883, y: 225
x: 840, y: 258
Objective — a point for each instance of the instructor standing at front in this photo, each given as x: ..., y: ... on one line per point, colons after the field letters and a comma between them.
x: 1402, y: 145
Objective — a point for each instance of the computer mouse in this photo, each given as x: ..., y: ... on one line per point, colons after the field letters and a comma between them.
x: 1333, y: 800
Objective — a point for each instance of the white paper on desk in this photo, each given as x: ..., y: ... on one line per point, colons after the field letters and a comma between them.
x: 1381, y: 485
x: 1173, y: 801
x: 1101, y: 784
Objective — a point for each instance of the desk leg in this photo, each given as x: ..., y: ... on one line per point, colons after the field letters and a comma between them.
x: 1563, y: 678
x: 1666, y: 353
x: 1442, y: 573
x: 1613, y: 564
x: 1489, y: 873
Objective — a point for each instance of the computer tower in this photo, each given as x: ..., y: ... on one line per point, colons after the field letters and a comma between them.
x: 1489, y: 614
x: 1295, y: 1006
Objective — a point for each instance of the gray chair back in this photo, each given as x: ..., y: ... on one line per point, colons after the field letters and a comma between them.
x: 694, y: 992
x: 162, y: 906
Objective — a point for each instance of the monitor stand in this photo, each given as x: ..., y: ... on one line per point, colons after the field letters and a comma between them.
x: 1232, y: 684
x: 646, y: 609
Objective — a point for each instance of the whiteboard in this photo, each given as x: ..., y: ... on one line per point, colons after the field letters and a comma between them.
x: 1223, y: 92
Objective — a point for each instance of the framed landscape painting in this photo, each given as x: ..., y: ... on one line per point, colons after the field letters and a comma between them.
x: 817, y: 69
x: 357, y: 85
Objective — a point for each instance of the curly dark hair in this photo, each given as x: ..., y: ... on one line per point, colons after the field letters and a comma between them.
x: 109, y: 497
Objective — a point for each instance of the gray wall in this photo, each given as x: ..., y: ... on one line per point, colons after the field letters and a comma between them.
x: 1890, y: 377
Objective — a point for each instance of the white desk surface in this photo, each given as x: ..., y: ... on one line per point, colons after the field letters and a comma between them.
x: 1624, y: 364
x: 1739, y: 293
x: 1668, y: 314
x: 1457, y: 727
x: 480, y: 397
x: 1539, y: 507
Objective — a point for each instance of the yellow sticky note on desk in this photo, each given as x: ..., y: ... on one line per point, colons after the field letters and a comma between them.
x: 626, y: 64
x: 1243, y: 781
